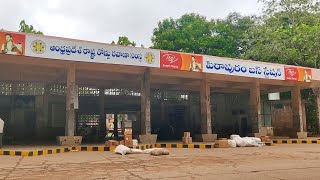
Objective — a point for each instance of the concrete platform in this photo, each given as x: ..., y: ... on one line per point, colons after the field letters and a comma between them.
x: 292, y: 162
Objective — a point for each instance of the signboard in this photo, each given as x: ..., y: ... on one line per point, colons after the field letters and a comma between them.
x: 12, y: 43
x: 298, y: 74
x: 242, y: 68
x: 72, y: 50
x: 44, y: 47
x: 180, y: 61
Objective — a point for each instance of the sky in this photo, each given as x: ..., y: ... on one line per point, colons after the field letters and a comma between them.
x: 106, y: 20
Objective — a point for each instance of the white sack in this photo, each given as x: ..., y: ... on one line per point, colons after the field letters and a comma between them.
x: 135, y: 142
x: 123, y: 150
x: 234, y: 136
x: 136, y: 151
x: 232, y: 143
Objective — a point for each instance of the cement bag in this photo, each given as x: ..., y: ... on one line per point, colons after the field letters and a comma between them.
x: 123, y: 150
x: 234, y: 136
x: 159, y: 152
x: 148, y: 151
x: 240, y: 142
x: 135, y: 142
x: 253, y: 141
x: 249, y: 142
x: 232, y: 143
x: 136, y: 151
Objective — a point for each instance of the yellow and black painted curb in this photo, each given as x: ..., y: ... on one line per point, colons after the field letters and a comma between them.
x: 35, y: 152
x: 102, y: 148
x: 296, y: 141
x: 146, y: 146
x: 186, y: 146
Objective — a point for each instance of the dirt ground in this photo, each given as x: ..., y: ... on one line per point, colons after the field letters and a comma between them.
x: 276, y: 162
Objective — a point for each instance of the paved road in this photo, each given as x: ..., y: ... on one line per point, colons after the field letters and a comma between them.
x: 277, y: 162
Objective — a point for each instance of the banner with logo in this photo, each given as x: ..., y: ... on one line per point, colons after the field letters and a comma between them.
x: 45, y: 47
x: 242, y: 68
x: 298, y: 74
x: 11, y: 43
x: 72, y: 50
x: 180, y: 61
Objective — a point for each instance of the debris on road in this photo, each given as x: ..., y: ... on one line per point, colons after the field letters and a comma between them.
x: 123, y: 150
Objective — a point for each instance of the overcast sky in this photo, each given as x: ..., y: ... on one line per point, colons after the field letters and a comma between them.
x: 105, y: 20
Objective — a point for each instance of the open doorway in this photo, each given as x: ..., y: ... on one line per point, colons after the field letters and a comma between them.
x: 120, y: 121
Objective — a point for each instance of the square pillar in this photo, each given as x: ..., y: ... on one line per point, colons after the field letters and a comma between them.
x: 205, y: 106
x: 146, y: 137
x: 297, y: 112
x: 206, y: 128
x: 70, y: 120
x: 71, y: 105
x: 255, y: 108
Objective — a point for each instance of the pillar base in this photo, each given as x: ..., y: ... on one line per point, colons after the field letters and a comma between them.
x: 206, y: 137
x: 69, y: 140
x: 266, y: 131
x: 148, y: 138
x: 302, y: 135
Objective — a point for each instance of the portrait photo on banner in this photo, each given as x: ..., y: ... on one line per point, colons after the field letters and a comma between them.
x: 11, y: 43
x: 180, y: 61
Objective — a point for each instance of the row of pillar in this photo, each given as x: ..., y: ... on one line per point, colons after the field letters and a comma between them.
x: 206, y: 128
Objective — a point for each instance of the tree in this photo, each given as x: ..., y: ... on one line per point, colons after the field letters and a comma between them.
x: 195, y: 34
x: 23, y: 27
x: 124, y: 41
x: 286, y: 34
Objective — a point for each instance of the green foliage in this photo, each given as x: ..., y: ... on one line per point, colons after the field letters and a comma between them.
x: 287, y: 33
x: 23, y: 27
x: 195, y: 34
x: 124, y: 41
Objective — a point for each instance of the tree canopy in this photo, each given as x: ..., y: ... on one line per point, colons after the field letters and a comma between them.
x: 124, y: 41
x: 23, y: 27
x: 194, y: 33
x: 288, y: 33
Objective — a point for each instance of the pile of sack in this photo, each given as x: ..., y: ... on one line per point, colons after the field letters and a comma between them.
x: 245, y: 141
x: 123, y: 150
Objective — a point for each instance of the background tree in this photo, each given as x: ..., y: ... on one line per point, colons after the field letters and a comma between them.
x: 288, y: 33
x: 195, y: 34
x: 23, y: 27
x: 124, y: 41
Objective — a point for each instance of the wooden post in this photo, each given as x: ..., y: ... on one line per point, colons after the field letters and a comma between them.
x: 205, y: 105
x: 255, y: 107
x: 297, y: 108
x: 70, y: 111
x: 145, y: 103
